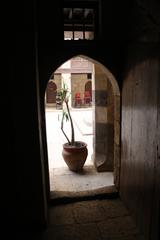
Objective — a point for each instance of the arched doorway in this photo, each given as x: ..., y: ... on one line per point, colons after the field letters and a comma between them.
x: 106, y: 118
x: 88, y: 86
x: 88, y: 92
x: 51, y: 92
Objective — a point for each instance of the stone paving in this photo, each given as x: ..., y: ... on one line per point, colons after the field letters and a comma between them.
x: 102, y: 219
x: 87, y: 179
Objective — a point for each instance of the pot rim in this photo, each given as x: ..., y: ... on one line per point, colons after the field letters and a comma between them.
x: 74, y: 147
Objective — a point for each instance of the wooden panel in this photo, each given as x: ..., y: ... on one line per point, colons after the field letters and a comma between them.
x: 126, y: 167
x: 139, y: 141
x: 155, y: 232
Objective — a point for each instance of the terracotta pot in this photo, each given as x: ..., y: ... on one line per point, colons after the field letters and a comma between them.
x: 75, y: 156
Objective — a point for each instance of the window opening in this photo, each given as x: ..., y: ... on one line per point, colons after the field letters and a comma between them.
x: 79, y: 23
x: 89, y: 75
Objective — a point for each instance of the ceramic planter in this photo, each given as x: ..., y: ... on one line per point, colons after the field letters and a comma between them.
x: 75, y: 156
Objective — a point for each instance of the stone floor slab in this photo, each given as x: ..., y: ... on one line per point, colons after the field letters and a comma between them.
x: 88, y: 179
x: 73, y: 232
x: 87, y: 213
x: 114, y: 208
x: 121, y: 227
x: 61, y: 215
x: 87, y: 220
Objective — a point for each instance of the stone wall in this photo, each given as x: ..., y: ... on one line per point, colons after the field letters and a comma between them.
x: 104, y: 122
x: 57, y: 80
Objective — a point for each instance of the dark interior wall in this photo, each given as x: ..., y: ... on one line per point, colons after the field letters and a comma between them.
x: 28, y: 198
x: 139, y: 141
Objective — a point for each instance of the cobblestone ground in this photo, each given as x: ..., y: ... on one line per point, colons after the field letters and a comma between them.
x: 105, y: 219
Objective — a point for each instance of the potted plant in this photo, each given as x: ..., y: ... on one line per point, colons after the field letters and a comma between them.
x: 74, y: 152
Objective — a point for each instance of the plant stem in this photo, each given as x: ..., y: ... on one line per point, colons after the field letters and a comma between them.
x: 72, y: 127
x: 64, y: 132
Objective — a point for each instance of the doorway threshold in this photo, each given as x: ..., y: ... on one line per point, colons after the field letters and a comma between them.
x: 108, y: 192
x: 67, y: 185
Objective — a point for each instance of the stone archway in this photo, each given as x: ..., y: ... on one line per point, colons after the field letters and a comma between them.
x: 106, y: 120
x: 51, y: 93
x: 88, y: 86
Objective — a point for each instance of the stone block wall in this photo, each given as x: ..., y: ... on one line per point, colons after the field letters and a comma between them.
x: 58, y: 81
x: 103, y: 121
